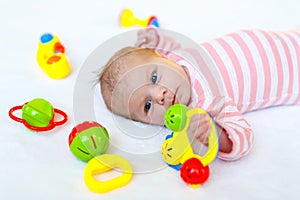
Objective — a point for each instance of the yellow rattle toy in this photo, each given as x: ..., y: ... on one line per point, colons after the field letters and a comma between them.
x: 128, y: 19
x: 89, y: 141
x: 104, y: 163
x: 51, y: 58
x: 177, y: 150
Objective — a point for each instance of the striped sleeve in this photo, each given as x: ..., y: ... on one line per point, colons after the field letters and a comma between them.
x: 231, y: 122
x: 153, y: 38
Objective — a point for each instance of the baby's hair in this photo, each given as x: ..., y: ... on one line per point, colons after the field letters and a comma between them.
x: 115, y: 68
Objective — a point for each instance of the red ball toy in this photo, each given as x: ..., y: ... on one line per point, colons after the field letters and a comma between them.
x: 193, y: 172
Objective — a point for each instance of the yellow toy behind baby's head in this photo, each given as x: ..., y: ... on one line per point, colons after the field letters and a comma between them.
x: 128, y: 19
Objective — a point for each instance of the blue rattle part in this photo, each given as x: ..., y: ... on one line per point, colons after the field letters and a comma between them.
x: 47, y: 37
x: 176, y: 167
x: 169, y: 136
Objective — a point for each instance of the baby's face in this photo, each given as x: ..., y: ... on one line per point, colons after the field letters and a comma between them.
x: 146, y: 91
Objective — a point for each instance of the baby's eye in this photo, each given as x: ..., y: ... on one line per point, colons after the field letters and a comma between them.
x: 154, y: 78
x: 148, y: 105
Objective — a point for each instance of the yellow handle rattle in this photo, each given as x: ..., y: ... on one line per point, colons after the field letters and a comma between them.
x: 177, y: 150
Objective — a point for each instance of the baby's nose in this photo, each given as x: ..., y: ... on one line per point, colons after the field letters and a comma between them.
x: 160, y: 94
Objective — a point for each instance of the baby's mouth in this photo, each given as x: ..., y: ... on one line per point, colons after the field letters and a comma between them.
x: 173, y: 101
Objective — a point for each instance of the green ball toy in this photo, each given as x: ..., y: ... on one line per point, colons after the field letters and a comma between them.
x: 38, y: 112
x: 175, y: 117
x: 87, y: 140
x: 38, y: 115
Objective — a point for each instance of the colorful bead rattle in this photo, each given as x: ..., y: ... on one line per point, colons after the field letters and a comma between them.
x: 177, y: 150
x: 51, y: 57
x: 89, y: 141
x: 128, y: 19
x: 38, y: 115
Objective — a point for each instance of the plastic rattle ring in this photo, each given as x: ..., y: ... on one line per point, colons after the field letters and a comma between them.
x: 38, y: 115
x: 177, y: 150
x: 104, y: 163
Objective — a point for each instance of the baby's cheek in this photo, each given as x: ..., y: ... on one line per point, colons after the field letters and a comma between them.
x: 157, y: 116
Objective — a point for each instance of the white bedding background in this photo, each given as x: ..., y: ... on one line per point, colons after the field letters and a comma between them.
x: 41, y: 166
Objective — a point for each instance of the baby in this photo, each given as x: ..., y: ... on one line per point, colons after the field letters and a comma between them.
x: 228, y: 76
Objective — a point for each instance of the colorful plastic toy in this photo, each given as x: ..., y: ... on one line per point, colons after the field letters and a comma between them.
x: 38, y: 115
x: 193, y: 172
x: 128, y: 19
x: 51, y: 58
x: 87, y: 140
x: 104, y: 163
x: 177, y: 150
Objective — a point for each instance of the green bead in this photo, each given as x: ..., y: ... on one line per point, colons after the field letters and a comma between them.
x: 175, y: 117
x: 38, y: 112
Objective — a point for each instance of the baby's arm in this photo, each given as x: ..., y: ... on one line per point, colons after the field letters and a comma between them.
x: 200, y: 128
x: 233, y: 126
x: 153, y: 38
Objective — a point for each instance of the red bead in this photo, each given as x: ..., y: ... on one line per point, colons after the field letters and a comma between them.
x: 193, y: 172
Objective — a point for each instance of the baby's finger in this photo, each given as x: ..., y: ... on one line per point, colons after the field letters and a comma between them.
x: 202, y: 137
x: 203, y: 133
x: 194, y: 126
x: 199, y: 118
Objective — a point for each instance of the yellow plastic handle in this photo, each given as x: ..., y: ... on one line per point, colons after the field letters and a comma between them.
x: 104, y: 163
x: 177, y: 149
x: 128, y: 19
x: 213, y: 138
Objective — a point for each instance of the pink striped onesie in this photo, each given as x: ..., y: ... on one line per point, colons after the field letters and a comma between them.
x: 238, y: 73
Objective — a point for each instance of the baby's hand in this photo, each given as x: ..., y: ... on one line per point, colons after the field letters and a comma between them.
x: 147, y: 38
x: 200, y: 127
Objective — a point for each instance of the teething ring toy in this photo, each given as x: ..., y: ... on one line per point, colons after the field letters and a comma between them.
x: 38, y: 115
x: 177, y: 150
x: 105, y: 163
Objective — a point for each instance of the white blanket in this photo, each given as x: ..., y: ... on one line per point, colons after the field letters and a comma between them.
x: 41, y: 166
